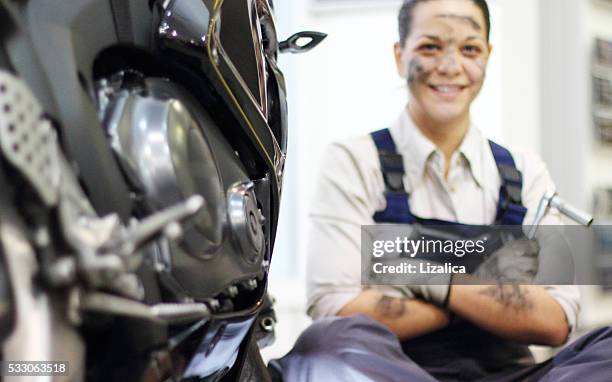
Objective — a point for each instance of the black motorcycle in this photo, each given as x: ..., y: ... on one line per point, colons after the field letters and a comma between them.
x: 142, y: 145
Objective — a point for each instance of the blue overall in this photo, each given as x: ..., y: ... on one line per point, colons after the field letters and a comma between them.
x: 456, y: 349
x: 510, y: 209
x: 358, y: 348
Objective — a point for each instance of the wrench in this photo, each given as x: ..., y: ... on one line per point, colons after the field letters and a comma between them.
x: 552, y: 200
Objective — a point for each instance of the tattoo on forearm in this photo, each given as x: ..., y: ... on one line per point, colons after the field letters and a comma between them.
x: 391, y: 307
x: 511, y: 296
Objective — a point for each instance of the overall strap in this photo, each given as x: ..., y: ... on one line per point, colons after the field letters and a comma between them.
x: 392, y: 166
x: 510, y: 209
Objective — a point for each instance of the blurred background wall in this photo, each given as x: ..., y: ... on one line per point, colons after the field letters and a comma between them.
x: 538, y: 96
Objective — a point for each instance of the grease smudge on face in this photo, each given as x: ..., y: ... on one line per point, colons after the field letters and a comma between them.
x: 420, y: 70
x: 416, y: 72
x: 476, y: 70
x: 467, y: 19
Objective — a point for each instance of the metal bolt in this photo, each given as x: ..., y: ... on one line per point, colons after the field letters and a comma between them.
x: 232, y: 291
x: 62, y: 271
x: 214, y: 304
x: 250, y: 284
x: 267, y: 324
x: 41, y: 237
x: 265, y: 264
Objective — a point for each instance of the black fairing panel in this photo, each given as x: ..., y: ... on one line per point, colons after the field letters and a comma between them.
x: 133, y: 21
x: 236, y: 40
x: 19, y: 57
x: 232, y: 74
x: 67, y: 36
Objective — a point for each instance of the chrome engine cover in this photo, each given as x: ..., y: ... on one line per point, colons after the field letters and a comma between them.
x: 173, y: 150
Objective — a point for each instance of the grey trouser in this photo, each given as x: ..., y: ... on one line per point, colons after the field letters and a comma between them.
x: 359, y: 349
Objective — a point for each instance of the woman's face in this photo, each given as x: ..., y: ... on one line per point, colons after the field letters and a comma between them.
x: 444, y: 58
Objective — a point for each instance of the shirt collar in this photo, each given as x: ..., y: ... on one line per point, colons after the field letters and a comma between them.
x: 472, y: 148
x: 418, y: 150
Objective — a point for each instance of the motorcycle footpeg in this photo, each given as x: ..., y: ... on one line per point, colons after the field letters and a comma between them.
x: 164, y: 222
x: 170, y: 313
x: 27, y: 140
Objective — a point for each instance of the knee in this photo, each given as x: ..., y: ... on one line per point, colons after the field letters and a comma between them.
x: 605, y: 333
x: 597, y: 337
x: 330, y: 332
x: 317, y: 336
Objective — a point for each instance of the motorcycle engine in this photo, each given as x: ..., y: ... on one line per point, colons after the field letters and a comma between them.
x: 169, y: 149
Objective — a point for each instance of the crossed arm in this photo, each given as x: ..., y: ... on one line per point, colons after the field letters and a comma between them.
x: 525, y: 313
x: 345, y: 202
x: 406, y: 318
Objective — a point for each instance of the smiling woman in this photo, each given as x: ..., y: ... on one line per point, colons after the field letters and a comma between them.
x: 434, y: 169
x: 443, y: 51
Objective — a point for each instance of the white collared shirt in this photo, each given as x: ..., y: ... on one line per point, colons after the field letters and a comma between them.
x: 350, y: 189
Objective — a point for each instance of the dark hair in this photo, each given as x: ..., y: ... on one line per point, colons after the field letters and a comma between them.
x: 405, y: 17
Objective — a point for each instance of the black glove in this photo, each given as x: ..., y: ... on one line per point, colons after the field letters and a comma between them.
x: 515, y: 262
